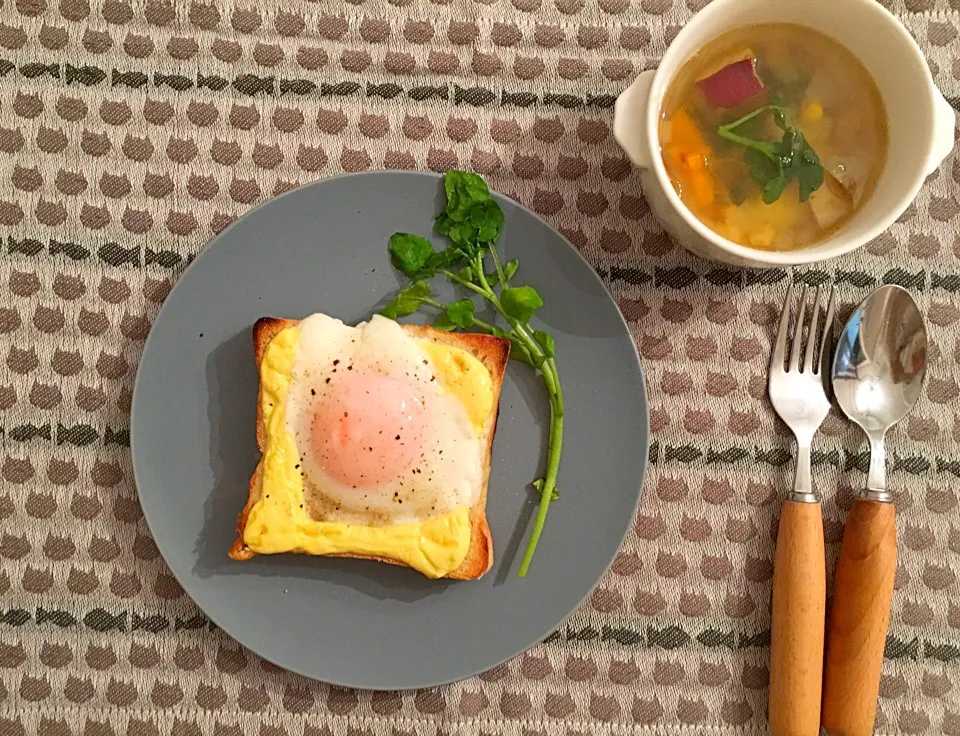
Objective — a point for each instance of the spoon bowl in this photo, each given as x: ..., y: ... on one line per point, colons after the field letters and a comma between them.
x: 879, y: 368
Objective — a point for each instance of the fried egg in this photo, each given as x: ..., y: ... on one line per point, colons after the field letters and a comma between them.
x: 381, y: 439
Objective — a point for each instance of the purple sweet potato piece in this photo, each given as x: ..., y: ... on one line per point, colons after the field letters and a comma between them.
x: 733, y: 85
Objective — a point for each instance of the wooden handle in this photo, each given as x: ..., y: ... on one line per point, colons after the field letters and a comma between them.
x: 862, y: 592
x: 796, y: 637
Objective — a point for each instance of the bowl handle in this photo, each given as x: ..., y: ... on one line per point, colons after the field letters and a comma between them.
x: 630, y: 120
x: 943, y: 136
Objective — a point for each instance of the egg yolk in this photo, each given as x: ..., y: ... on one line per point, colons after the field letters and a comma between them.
x: 368, y: 430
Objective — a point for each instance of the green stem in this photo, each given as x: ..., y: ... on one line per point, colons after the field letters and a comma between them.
x: 482, y: 278
x: 501, y: 276
x: 767, y: 149
x: 553, y: 466
x: 483, y: 325
x: 516, y: 327
x: 463, y: 282
x: 552, y: 365
x: 751, y: 115
x: 531, y: 344
x: 760, y: 146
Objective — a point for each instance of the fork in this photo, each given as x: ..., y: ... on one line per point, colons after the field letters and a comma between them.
x: 799, y: 580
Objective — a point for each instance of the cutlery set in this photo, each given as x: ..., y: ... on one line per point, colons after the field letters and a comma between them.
x: 831, y: 678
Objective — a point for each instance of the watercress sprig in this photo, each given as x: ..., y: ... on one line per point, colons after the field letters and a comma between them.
x: 774, y: 165
x: 473, y: 221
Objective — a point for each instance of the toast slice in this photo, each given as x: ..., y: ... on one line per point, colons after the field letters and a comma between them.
x: 493, y: 352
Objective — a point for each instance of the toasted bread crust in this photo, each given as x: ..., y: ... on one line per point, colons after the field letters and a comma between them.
x: 493, y: 352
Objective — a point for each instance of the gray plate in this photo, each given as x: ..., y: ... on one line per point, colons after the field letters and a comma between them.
x: 322, y: 248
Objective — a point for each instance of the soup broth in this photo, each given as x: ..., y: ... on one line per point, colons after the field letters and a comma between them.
x: 773, y: 135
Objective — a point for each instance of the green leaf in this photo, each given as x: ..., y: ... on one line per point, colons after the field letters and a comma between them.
x: 464, y: 190
x: 520, y: 302
x: 472, y: 218
x: 545, y: 341
x: 761, y: 167
x: 442, y: 322
x: 487, y: 217
x: 460, y: 313
x: 464, y: 235
x: 466, y: 273
x: 785, y: 149
x: 509, y: 271
x: 774, y: 165
x: 780, y: 117
x: 538, y: 485
x: 407, y: 301
x: 518, y: 351
x: 410, y: 253
x: 774, y: 187
x: 809, y: 172
x: 445, y: 258
x: 442, y: 224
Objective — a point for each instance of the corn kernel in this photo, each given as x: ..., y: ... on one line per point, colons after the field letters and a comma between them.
x: 811, y: 111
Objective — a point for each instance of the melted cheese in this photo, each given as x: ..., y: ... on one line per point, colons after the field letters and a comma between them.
x: 465, y: 377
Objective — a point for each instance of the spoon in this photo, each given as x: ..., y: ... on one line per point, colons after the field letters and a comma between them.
x: 878, y: 373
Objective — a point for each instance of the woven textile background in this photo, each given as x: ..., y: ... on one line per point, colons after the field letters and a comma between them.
x: 131, y: 132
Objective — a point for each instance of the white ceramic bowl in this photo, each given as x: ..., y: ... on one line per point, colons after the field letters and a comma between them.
x: 920, y: 120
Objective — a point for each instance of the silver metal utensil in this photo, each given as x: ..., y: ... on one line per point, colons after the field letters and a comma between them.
x: 799, y: 580
x: 878, y: 374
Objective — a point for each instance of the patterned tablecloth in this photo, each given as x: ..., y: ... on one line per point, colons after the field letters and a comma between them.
x: 132, y: 132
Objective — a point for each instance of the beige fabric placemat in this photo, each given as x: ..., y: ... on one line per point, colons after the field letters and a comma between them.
x: 131, y: 132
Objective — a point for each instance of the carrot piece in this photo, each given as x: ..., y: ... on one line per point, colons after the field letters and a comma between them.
x: 684, y: 132
x: 689, y: 155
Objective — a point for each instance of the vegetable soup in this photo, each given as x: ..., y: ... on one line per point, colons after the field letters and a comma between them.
x: 773, y: 135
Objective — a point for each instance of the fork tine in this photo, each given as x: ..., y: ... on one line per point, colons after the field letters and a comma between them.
x: 798, y: 332
x: 780, y: 344
x: 827, y: 327
x: 812, y: 334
